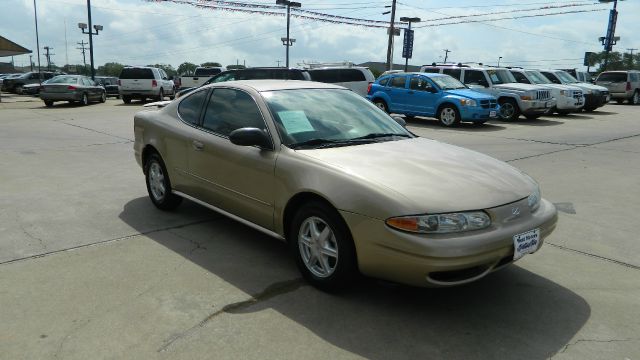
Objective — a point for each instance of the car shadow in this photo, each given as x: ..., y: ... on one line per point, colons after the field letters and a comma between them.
x: 601, y: 112
x: 512, y: 313
x: 572, y: 116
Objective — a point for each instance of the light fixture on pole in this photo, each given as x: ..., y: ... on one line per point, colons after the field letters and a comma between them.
x: 288, y: 41
x: 407, y: 46
x: 87, y: 29
x: 499, y: 58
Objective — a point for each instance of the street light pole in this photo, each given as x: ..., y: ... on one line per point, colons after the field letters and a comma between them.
x: 499, y: 58
x: 610, y: 39
x: 288, y: 41
x: 91, y: 27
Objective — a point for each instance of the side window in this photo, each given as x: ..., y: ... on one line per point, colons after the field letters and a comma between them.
x: 326, y: 76
x: 230, y: 76
x: 384, y: 82
x: 419, y: 83
x: 455, y: 73
x: 230, y: 109
x: 431, y: 70
x: 87, y: 82
x: 552, y: 77
x: 189, y: 108
x: 520, y: 77
x: 634, y: 77
x: 475, y: 77
x: 398, y: 82
x: 350, y: 75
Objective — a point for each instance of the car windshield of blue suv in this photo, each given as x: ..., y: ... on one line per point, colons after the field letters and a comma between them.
x: 448, y: 83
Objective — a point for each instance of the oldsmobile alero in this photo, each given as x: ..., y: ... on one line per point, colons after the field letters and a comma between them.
x: 348, y: 187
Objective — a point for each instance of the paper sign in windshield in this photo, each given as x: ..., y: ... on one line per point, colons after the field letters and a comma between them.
x: 295, y: 121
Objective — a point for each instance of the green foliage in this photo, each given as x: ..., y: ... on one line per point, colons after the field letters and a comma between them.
x: 167, y: 68
x: 187, y: 68
x: 214, y: 64
x: 235, y: 67
x: 617, y: 61
x: 376, y: 73
x: 108, y: 69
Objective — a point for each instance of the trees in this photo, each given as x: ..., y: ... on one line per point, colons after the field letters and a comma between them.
x: 214, y: 64
x: 187, y: 68
x: 235, y: 67
x: 617, y: 61
x: 110, y: 69
x: 167, y: 68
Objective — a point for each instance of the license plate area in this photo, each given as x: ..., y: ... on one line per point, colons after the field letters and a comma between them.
x: 493, y: 113
x: 526, y: 243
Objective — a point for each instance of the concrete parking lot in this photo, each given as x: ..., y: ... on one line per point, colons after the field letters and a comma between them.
x: 89, y: 269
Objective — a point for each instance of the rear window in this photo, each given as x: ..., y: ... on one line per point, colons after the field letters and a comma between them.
x: 207, y: 71
x: 136, y: 73
x: 431, y: 70
x: 337, y: 75
x: 453, y: 73
x: 613, y: 77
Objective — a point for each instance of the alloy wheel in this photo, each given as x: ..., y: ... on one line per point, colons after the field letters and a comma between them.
x: 318, y: 247
x: 507, y: 110
x: 156, y: 181
x: 448, y: 116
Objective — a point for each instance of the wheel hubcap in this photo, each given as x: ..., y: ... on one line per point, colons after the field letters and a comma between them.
x: 448, y: 116
x: 318, y: 247
x: 636, y: 98
x: 156, y: 181
x: 381, y: 106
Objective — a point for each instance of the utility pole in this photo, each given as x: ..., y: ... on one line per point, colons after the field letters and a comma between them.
x: 391, y: 35
x: 35, y: 14
x: 84, y: 60
x: 278, y: 61
x: 446, y: 54
x: 31, y: 62
x: 288, y: 41
x: 83, y: 27
x: 48, y: 56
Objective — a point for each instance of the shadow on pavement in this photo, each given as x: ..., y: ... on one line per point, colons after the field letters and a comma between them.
x: 428, y: 123
x: 512, y: 313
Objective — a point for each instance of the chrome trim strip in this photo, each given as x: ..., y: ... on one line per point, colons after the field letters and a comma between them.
x: 228, y: 214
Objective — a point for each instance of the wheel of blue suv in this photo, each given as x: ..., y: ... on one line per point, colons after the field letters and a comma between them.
x: 448, y: 116
x: 381, y: 105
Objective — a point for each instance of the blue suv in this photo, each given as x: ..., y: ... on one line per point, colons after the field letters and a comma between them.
x: 433, y: 95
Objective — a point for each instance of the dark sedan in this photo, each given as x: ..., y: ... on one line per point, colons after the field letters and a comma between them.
x: 110, y: 84
x: 72, y: 88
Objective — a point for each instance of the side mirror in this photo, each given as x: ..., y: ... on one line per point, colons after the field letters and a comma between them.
x: 432, y: 90
x: 400, y: 120
x: 250, y: 137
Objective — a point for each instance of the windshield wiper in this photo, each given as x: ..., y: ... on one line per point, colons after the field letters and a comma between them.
x: 380, y: 135
x: 320, y: 143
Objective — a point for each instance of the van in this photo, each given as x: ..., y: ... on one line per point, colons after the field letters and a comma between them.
x: 142, y: 82
x: 622, y: 85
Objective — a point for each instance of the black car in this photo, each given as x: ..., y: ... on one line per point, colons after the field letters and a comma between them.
x: 110, y: 84
x: 256, y: 73
x: 16, y: 84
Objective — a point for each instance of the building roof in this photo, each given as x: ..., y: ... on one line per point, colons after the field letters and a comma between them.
x: 9, y: 48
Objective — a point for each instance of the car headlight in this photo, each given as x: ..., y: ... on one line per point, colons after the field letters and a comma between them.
x: 468, y: 102
x: 534, y: 199
x: 441, y: 223
x: 564, y: 92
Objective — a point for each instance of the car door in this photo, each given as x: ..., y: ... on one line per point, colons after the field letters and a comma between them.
x: 422, y: 96
x: 236, y: 179
x: 91, y: 88
x: 397, y: 91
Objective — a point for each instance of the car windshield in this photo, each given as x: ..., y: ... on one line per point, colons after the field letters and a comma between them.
x: 537, y: 77
x: 565, y: 77
x: 64, y: 80
x: 447, y: 82
x: 304, y: 119
x: 501, y: 77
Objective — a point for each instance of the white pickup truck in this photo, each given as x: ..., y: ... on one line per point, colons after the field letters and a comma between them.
x: 200, y: 76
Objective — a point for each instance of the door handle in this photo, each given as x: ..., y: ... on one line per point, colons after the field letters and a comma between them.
x: 197, y: 145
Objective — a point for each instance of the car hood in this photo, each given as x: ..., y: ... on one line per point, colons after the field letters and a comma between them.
x: 589, y: 86
x: 471, y: 94
x: 518, y: 86
x: 429, y: 176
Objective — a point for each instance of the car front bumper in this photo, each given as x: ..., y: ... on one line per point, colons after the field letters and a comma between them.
x: 537, y: 107
x: 477, y: 113
x: 570, y: 103
x: 444, y: 259
x: 592, y: 101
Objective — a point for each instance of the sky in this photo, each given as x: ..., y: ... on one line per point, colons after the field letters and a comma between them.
x: 139, y: 32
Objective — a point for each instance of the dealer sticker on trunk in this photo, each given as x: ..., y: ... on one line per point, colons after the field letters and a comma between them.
x: 526, y: 243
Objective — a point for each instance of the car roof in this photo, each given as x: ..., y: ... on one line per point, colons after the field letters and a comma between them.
x: 270, y: 85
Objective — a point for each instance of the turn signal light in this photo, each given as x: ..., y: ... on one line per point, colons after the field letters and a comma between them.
x: 370, y: 85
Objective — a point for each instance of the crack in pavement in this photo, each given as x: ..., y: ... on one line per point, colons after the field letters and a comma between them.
x: 101, y: 242
x: 31, y: 236
x: 197, y: 245
x: 271, y: 291
x: 566, y: 347
x: 96, y: 131
x: 618, y: 262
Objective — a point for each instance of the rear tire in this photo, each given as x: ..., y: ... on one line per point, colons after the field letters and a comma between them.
x: 161, y: 95
x: 322, y: 246
x: 126, y: 99
x: 620, y: 101
x: 103, y: 97
x: 509, y: 110
x: 48, y: 103
x: 159, y: 185
x: 635, y: 99
x: 381, y: 105
x: 85, y: 100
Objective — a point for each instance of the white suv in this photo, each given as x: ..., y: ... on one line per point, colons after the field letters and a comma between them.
x: 141, y: 82
x: 569, y: 98
x: 356, y: 78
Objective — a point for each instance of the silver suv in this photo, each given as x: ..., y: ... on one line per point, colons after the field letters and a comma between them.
x: 514, y: 98
x: 356, y: 78
x: 568, y: 98
x: 141, y: 82
x: 623, y: 85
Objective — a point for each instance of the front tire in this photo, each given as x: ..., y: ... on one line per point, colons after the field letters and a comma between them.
x: 103, y: 97
x: 322, y: 246
x: 158, y: 184
x: 635, y: 99
x: 449, y: 116
x: 126, y: 99
x: 85, y: 100
x: 381, y: 105
x: 48, y: 103
x: 509, y: 110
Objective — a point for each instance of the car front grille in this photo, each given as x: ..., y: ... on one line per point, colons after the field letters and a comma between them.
x: 543, y: 95
x: 488, y: 104
x: 577, y: 94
